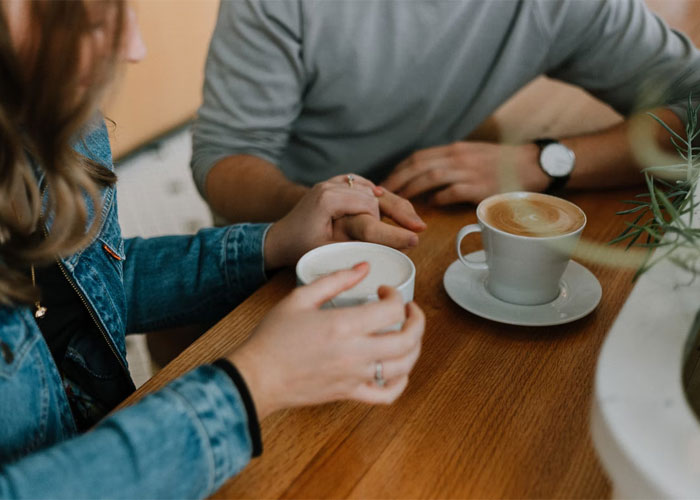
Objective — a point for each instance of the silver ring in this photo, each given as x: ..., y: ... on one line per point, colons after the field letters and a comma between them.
x: 351, y: 179
x: 379, y: 374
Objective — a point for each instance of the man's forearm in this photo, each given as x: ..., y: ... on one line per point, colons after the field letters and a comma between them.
x: 615, y: 157
x: 245, y: 188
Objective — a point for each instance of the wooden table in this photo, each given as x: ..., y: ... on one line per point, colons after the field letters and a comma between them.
x: 491, y: 410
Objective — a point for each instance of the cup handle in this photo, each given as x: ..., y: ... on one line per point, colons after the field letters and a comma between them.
x: 471, y: 228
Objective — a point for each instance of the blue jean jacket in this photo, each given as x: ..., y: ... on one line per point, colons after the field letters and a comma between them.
x: 183, y: 441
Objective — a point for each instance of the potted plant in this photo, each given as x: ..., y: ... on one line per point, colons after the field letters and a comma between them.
x: 646, y: 401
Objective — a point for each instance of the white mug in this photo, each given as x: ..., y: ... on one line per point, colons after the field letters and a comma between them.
x: 524, y: 270
x: 387, y: 267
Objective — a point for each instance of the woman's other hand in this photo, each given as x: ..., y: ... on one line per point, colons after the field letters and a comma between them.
x: 302, y: 355
x: 339, y: 210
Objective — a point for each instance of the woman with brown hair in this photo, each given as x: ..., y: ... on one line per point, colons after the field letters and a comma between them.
x: 71, y: 288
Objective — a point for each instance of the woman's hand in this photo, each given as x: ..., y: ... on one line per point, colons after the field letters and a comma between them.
x: 301, y: 355
x: 363, y: 227
x: 311, y: 222
x: 337, y: 211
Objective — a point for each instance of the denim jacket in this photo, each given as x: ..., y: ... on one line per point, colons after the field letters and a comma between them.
x: 180, y: 442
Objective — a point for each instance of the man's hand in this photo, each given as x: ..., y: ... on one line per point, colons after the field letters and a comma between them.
x: 468, y: 172
x: 336, y: 211
x: 364, y: 227
x: 235, y: 192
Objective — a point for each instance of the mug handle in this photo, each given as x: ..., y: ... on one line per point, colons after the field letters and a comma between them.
x: 471, y: 228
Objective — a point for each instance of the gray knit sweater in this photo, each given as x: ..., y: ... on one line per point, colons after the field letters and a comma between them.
x: 322, y: 87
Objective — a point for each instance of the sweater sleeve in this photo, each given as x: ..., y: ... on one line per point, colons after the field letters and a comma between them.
x: 620, y: 52
x: 254, y: 81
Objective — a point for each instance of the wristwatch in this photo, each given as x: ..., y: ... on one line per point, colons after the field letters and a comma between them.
x: 557, y: 161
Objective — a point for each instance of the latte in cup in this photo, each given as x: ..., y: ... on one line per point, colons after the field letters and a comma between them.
x: 528, y: 240
x: 532, y: 214
x: 386, y: 267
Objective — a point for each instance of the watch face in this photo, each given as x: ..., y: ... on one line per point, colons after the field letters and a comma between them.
x: 557, y: 160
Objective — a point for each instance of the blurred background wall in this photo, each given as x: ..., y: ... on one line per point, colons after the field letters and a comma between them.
x: 164, y: 90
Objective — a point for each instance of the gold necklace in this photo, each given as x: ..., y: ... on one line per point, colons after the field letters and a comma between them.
x: 39, y: 311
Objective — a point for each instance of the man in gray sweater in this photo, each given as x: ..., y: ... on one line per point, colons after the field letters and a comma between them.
x: 298, y: 91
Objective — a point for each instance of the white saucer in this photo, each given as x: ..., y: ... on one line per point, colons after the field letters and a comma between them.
x: 580, y: 294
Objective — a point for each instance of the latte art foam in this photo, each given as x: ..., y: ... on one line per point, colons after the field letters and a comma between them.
x: 532, y: 214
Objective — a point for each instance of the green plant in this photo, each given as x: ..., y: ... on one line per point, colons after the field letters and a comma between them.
x: 663, y: 216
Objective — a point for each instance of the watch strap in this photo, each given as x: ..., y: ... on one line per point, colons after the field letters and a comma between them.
x: 556, y: 185
x: 544, y: 141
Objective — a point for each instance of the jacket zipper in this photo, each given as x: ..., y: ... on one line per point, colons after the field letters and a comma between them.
x: 91, y: 312
x: 89, y: 308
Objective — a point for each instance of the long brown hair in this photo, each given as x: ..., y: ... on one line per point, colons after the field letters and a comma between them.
x: 44, y: 104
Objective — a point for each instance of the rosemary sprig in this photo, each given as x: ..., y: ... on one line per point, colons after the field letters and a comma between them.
x: 663, y: 215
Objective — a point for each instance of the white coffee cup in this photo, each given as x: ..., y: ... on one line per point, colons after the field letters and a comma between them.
x: 386, y: 267
x: 527, y: 254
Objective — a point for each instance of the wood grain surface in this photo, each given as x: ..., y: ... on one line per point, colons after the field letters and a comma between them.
x: 492, y: 410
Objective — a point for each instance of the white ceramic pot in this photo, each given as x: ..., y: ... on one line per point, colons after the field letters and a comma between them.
x: 644, y: 430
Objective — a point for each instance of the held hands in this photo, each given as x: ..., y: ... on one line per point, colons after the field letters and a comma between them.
x: 301, y: 355
x: 336, y: 211
x: 468, y: 172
